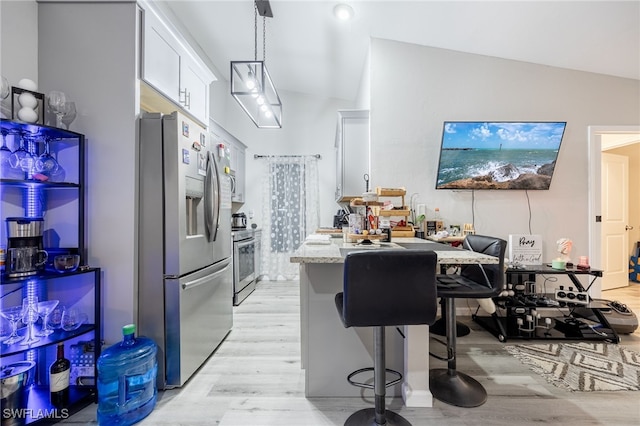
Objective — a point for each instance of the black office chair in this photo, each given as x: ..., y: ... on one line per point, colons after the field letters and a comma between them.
x: 385, y: 288
x: 475, y: 281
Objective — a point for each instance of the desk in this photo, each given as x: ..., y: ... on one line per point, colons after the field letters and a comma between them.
x: 329, y: 352
x: 560, y: 317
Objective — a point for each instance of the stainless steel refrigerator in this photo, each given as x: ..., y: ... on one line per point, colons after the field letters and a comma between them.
x: 185, y: 285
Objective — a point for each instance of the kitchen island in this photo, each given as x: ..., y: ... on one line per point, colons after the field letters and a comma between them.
x: 330, y: 352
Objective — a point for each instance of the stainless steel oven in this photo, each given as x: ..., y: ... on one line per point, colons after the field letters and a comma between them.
x: 244, y: 270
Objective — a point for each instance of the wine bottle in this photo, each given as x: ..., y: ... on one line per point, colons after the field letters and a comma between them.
x: 59, y: 379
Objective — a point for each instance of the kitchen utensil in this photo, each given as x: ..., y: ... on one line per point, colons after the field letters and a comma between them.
x: 238, y: 220
x: 66, y: 262
x: 13, y: 315
x: 46, y: 163
x: 55, y: 317
x: 21, y: 158
x: 69, y: 113
x: 29, y: 317
x: 44, y: 309
x: 56, y: 103
x: 72, y: 319
x: 15, y: 381
x: 24, y: 261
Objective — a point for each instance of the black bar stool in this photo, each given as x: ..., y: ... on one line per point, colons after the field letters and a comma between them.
x: 381, y: 288
x: 475, y: 281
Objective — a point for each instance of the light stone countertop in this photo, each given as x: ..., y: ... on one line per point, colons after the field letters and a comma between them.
x: 332, y: 253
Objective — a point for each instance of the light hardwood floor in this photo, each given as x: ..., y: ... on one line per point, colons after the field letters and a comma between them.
x: 254, y: 378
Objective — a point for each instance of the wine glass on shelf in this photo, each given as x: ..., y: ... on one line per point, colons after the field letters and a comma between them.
x: 29, y: 317
x: 56, y: 101
x: 5, y: 88
x: 55, y: 317
x: 5, y: 152
x: 44, y: 309
x: 5, y: 91
x: 22, y: 158
x: 46, y: 163
x: 72, y: 319
x: 13, y: 314
x: 69, y: 113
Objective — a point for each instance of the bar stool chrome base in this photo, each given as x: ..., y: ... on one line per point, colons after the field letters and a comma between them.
x: 457, y: 389
x: 367, y: 417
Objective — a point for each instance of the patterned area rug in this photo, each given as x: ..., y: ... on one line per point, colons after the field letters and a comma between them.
x: 582, y: 366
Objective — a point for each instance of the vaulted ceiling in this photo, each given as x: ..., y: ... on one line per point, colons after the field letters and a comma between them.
x: 309, y: 51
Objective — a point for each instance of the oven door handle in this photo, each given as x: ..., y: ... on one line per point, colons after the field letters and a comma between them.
x: 247, y: 242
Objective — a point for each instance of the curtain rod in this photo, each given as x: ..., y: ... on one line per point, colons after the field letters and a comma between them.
x: 318, y: 156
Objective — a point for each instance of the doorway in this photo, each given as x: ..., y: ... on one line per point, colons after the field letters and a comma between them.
x: 608, y: 138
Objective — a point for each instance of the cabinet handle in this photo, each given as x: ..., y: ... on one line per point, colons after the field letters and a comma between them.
x: 187, y: 98
x: 180, y: 99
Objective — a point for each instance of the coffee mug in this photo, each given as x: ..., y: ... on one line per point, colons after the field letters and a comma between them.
x: 25, y: 260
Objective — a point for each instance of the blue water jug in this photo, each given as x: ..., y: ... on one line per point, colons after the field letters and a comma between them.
x: 127, y: 380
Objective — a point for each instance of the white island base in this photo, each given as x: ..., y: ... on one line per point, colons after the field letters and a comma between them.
x: 330, y: 352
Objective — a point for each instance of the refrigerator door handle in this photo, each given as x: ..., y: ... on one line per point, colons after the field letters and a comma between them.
x: 212, y: 199
x: 216, y: 194
x: 208, y: 278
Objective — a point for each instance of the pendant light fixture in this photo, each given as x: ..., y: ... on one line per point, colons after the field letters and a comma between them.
x: 251, y: 84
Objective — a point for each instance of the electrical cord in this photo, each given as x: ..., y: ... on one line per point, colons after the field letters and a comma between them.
x: 529, y: 207
x: 473, y: 208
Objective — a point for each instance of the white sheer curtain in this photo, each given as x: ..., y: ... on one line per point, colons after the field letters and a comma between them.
x: 290, y: 211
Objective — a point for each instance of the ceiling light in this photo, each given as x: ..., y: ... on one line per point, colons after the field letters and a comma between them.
x: 251, y: 84
x: 343, y: 12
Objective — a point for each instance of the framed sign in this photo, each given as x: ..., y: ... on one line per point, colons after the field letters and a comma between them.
x: 525, y: 249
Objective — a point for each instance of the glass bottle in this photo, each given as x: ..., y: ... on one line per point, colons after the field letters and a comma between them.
x: 59, y: 373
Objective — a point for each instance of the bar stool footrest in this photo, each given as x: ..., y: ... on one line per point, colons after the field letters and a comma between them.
x: 368, y: 386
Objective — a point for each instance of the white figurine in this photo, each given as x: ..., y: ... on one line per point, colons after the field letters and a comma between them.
x: 564, y: 248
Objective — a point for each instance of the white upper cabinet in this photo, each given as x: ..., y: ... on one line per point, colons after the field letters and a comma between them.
x: 171, y: 67
x: 352, y: 153
x: 194, y: 89
x: 237, y: 154
x: 161, y: 58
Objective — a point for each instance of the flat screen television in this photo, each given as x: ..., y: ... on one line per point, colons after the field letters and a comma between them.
x: 498, y: 154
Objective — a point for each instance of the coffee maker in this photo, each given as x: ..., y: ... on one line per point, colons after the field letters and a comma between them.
x: 25, y: 254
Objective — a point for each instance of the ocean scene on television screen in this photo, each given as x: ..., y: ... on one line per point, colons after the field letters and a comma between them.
x: 498, y: 155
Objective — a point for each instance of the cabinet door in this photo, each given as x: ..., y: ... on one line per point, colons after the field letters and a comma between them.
x: 240, y: 176
x: 161, y: 58
x: 339, y: 159
x: 353, y: 147
x: 194, y: 88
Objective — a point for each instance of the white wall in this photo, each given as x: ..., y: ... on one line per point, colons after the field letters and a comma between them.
x: 19, y: 40
x: 309, y: 127
x: 408, y: 109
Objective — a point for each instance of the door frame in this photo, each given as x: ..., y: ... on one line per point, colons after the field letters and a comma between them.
x: 594, y: 184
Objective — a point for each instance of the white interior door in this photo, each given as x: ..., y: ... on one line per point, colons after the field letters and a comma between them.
x: 615, y: 212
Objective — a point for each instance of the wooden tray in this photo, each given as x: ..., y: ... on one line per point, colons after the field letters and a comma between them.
x: 390, y: 192
x: 395, y: 233
x: 394, y: 212
x: 356, y: 202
